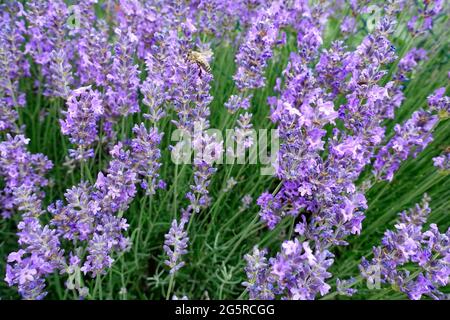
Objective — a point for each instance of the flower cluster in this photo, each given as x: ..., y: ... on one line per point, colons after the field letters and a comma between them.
x: 94, y: 51
x: 153, y: 90
x: 425, y: 252
x: 207, y: 150
x: 257, y: 275
x: 344, y: 287
x: 20, y: 169
x: 318, y: 172
x: 13, y: 65
x: 40, y: 257
x: 243, y: 135
x: 89, y: 218
x: 76, y: 220
x: 411, y: 137
x: 409, y: 62
x: 297, y: 272
x: 40, y: 254
x: 440, y: 103
x: 423, y: 20
x: 236, y: 103
x: 409, y: 140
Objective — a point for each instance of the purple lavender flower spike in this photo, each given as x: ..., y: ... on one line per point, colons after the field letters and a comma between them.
x: 117, y: 188
x: 40, y: 255
x: 76, y: 220
x: 207, y: 150
x: 98, y: 259
x: 20, y: 168
x: 123, y: 79
x: 8, y: 117
x: 13, y: 65
x: 411, y: 137
x: 423, y: 21
x: 94, y: 51
x: 348, y: 25
x: 146, y: 155
x: 255, y: 52
x: 188, y: 91
x: 47, y: 27
x: 60, y: 78
x: 175, y: 245
x: 154, y: 98
x: 84, y: 109
x: 299, y: 273
x: 258, y: 273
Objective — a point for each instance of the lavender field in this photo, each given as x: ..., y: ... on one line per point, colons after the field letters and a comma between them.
x: 217, y: 149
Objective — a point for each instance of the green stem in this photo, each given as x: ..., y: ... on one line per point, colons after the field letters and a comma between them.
x: 171, y: 283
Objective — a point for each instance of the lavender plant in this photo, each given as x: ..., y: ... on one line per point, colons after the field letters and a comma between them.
x: 127, y: 131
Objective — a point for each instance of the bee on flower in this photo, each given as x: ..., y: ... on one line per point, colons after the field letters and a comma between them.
x: 201, y: 58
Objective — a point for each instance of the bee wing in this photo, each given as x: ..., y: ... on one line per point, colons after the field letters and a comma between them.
x: 207, y: 55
